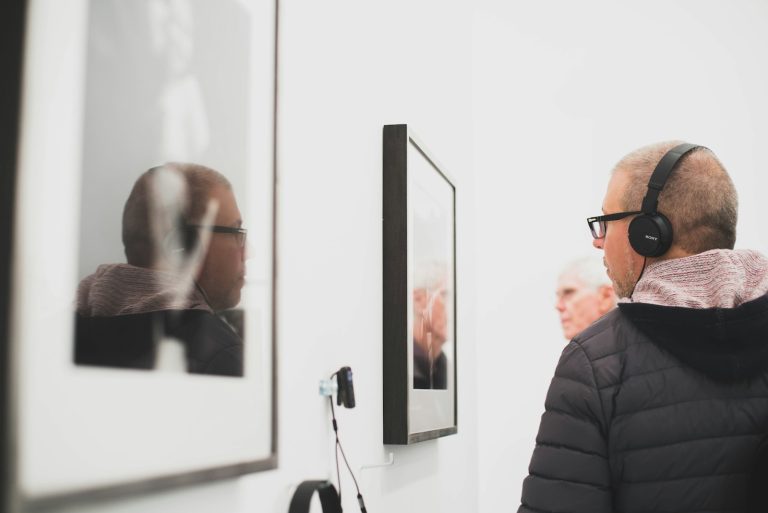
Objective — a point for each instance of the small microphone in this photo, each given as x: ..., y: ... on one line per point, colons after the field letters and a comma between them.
x: 346, y: 394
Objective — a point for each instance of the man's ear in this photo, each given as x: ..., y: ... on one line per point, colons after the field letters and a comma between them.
x: 607, y: 298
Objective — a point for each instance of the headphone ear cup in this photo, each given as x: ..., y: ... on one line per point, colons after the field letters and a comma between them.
x: 184, y: 238
x: 189, y: 239
x: 650, y: 235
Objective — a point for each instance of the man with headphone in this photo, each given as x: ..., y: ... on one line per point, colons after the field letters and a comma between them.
x: 185, y: 252
x: 662, y: 404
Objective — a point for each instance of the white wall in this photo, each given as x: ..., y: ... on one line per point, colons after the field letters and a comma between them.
x: 562, y: 90
x: 346, y: 69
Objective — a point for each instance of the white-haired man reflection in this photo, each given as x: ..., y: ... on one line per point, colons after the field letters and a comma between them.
x: 584, y: 294
x: 185, y: 250
x: 430, y: 328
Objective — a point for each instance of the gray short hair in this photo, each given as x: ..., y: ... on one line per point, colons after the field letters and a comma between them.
x: 699, y: 198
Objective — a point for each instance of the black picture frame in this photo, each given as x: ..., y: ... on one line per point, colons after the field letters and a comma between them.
x: 415, y: 410
x: 14, y: 21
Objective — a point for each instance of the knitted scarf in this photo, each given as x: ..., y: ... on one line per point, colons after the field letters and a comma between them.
x: 121, y: 289
x: 718, y: 278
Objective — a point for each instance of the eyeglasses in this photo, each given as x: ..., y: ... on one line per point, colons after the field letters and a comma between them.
x: 597, y: 224
x: 239, y: 233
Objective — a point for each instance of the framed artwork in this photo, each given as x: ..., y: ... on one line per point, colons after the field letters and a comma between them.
x: 419, y: 251
x: 140, y: 344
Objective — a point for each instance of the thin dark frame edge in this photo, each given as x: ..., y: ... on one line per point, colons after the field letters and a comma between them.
x: 13, y: 15
x: 143, y: 486
x: 11, y: 496
x: 435, y: 164
x: 423, y: 436
x: 273, y: 459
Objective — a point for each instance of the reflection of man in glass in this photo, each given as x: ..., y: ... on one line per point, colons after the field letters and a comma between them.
x: 430, y: 332
x: 185, y: 251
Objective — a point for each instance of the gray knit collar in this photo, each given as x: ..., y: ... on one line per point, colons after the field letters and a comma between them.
x: 120, y: 289
x: 718, y: 278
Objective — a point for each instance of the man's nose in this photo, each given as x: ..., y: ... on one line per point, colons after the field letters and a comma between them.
x: 598, y: 243
x: 560, y: 305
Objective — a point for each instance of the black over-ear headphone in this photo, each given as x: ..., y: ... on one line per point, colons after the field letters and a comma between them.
x: 650, y: 233
x: 185, y: 237
x: 189, y: 237
x: 329, y: 499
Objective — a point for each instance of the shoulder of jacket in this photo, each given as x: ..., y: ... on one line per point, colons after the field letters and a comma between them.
x: 609, y: 335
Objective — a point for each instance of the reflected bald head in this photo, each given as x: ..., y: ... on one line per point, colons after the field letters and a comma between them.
x: 141, y: 208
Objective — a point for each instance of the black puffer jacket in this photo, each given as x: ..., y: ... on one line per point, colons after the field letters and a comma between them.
x: 655, y: 409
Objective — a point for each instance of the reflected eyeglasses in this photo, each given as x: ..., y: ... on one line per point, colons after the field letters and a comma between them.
x: 597, y: 225
x: 239, y: 233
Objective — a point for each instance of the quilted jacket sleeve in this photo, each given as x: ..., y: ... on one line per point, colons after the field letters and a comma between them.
x: 569, y: 471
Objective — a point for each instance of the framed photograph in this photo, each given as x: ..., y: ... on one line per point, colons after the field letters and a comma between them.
x: 140, y: 344
x: 419, y: 291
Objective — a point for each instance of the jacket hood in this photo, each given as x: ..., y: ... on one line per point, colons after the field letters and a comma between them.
x: 727, y: 344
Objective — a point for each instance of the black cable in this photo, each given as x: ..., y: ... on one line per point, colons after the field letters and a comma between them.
x: 645, y: 261
x: 338, y: 448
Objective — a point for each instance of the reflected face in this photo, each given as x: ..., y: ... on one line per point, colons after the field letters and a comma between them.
x: 222, y: 274
x: 622, y: 263
x: 579, y: 305
x: 430, y: 318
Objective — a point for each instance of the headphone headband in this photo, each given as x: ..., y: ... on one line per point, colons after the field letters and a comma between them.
x: 329, y: 498
x: 661, y: 175
x: 650, y: 233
